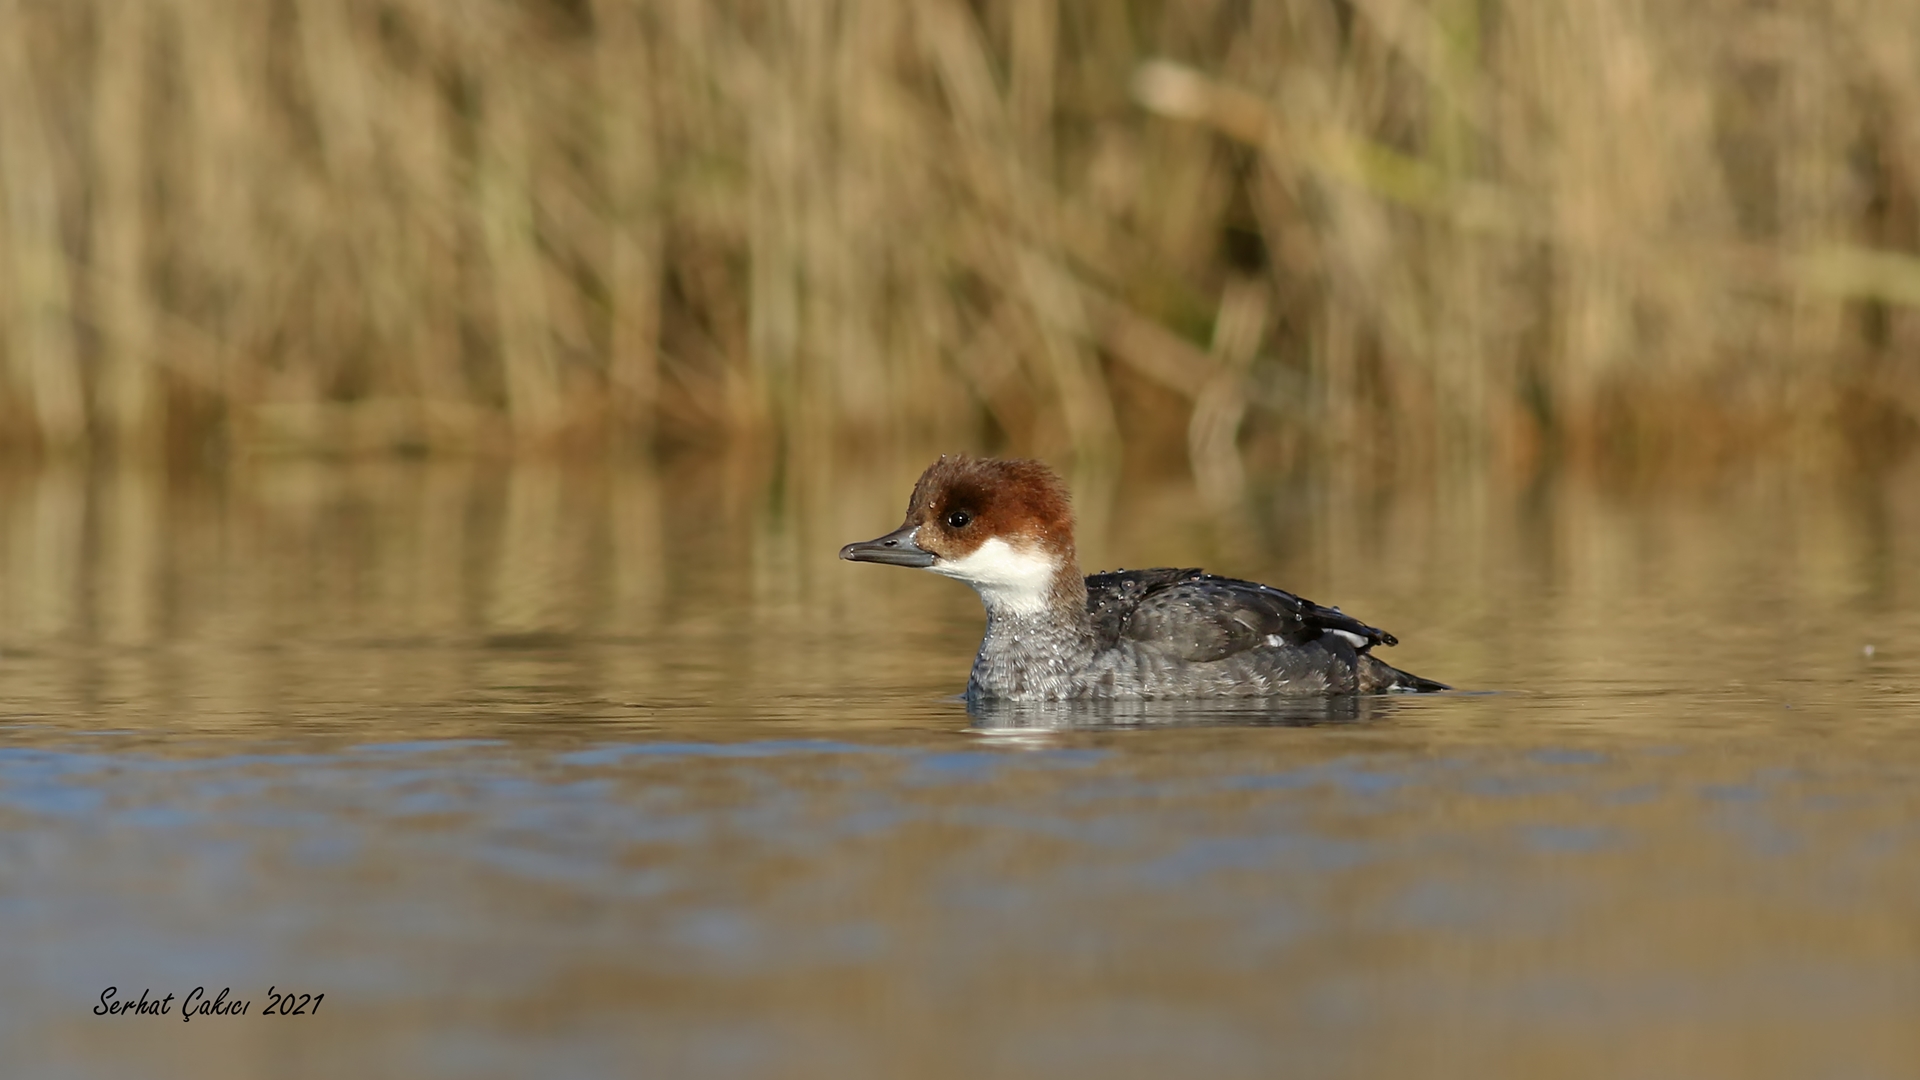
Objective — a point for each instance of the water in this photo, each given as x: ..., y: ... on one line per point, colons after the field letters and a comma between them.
x: 557, y: 772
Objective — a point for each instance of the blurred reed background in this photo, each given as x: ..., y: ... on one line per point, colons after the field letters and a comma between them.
x: 1424, y: 229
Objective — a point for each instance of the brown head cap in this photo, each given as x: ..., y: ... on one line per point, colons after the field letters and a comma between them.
x: 962, y: 501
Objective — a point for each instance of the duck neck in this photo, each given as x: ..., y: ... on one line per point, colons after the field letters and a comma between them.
x: 1035, y: 649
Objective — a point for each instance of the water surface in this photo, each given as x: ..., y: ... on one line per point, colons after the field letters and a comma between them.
x: 540, y: 771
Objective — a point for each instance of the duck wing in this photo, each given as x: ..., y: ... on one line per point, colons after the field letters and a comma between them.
x: 1199, y: 617
x: 1114, y: 596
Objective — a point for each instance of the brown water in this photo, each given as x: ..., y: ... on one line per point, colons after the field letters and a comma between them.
x: 571, y: 773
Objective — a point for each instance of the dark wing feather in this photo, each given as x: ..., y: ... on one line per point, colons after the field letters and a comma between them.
x: 1199, y: 617
x: 1113, y: 596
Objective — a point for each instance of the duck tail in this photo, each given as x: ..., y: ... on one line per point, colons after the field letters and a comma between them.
x: 1377, y: 675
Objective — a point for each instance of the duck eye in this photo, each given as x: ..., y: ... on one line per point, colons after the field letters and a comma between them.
x: 959, y: 519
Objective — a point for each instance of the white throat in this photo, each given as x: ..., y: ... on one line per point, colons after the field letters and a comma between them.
x: 1010, y: 580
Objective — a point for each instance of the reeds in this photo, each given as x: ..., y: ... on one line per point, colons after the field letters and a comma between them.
x: 1453, y: 227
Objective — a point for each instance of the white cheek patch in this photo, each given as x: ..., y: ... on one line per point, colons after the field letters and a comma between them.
x: 1008, y: 578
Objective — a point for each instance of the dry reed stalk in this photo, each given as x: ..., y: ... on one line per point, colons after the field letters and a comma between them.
x: 130, y: 405
x: 635, y: 241
x: 505, y: 203
x: 1213, y: 434
x: 216, y: 243
x: 421, y: 243
x: 41, y: 351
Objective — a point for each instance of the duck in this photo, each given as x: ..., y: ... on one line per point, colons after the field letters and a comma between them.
x: 1053, y: 635
x: 1005, y: 527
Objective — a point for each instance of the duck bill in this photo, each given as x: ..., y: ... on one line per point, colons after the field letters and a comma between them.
x: 895, y: 549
